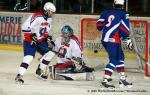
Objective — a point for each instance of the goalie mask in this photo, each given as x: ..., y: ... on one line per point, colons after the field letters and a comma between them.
x: 67, y: 32
x: 49, y: 9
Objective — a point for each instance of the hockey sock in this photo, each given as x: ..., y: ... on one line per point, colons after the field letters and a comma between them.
x: 25, y: 64
x: 22, y: 70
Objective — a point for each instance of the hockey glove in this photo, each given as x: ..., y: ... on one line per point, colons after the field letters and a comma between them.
x: 50, y: 42
x: 49, y: 38
x: 34, y: 41
x: 129, y: 43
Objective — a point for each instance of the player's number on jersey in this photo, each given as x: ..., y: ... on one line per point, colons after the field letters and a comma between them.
x: 110, y: 19
x: 42, y: 31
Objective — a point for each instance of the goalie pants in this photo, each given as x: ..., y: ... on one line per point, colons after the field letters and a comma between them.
x: 116, y: 57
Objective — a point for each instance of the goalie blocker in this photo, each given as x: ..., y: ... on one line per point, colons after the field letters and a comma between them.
x: 75, y: 72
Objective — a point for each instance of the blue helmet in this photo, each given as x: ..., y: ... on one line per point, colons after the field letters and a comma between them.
x: 67, y: 30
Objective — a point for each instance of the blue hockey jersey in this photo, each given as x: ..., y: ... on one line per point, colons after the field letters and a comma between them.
x: 114, y: 24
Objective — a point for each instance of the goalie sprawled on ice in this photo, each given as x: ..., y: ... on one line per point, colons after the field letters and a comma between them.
x: 70, y: 65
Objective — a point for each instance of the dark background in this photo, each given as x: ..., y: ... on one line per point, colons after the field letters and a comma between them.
x: 135, y: 7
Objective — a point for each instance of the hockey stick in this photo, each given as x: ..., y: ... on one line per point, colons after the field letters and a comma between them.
x: 139, y: 55
x: 99, y: 66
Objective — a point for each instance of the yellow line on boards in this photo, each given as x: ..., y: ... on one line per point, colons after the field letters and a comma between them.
x: 11, y: 47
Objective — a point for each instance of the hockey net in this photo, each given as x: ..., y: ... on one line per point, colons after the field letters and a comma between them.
x: 135, y: 60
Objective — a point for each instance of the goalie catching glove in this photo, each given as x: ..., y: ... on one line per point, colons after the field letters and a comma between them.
x: 84, y: 68
x: 79, y: 60
x: 129, y: 43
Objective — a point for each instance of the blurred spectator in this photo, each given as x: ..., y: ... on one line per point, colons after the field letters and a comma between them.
x: 22, y: 5
x: 11, y: 4
x: 7, y: 5
x: 101, y: 5
x: 36, y: 5
x: 80, y: 6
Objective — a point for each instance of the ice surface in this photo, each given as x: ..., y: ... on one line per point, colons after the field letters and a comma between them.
x: 10, y: 61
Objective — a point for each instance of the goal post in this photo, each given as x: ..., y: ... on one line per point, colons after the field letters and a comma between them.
x: 90, y: 40
x: 139, y: 28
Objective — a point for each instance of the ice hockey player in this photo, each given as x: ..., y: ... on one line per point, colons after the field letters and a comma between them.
x: 114, y: 25
x: 36, y: 34
x: 68, y: 51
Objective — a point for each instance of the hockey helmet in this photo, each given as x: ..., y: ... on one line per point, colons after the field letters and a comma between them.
x: 67, y: 30
x: 49, y: 9
x: 49, y: 6
x: 119, y: 2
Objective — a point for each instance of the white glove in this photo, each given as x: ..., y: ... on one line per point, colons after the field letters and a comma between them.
x: 129, y: 43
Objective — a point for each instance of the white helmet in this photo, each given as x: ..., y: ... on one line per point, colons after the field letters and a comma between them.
x: 49, y: 6
x: 119, y: 2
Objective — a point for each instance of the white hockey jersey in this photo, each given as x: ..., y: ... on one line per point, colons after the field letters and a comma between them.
x: 36, y: 23
x: 67, y: 50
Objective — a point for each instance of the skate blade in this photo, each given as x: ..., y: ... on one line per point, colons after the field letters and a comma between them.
x: 39, y: 77
x: 19, y: 82
x: 109, y: 88
x: 125, y: 86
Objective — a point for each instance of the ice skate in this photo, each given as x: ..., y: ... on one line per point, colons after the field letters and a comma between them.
x: 107, y: 84
x: 109, y: 79
x: 124, y: 83
x: 19, y: 79
x: 40, y: 74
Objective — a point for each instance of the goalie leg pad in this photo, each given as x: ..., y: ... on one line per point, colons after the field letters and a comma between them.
x: 48, y: 56
x: 59, y: 74
x: 75, y: 76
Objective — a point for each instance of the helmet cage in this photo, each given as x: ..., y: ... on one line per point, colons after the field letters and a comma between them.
x: 67, y: 30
